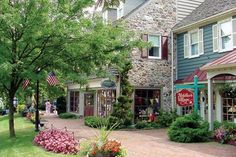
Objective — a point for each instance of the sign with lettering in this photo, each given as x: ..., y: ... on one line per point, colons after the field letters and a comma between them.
x: 184, y: 97
x: 108, y: 84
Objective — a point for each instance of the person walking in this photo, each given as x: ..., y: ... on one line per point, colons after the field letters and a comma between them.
x: 48, y: 107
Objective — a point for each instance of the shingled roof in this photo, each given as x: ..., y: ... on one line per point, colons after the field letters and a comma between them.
x: 207, y: 9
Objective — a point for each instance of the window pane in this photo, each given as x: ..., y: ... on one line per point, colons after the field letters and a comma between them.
x: 155, y: 40
x: 154, y: 52
x: 194, y: 49
x: 194, y: 37
x: 226, y: 28
x: 226, y: 42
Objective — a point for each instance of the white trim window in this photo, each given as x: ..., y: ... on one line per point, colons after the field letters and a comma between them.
x: 225, y: 35
x: 224, y: 38
x: 155, y: 51
x: 120, y: 10
x: 193, y: 43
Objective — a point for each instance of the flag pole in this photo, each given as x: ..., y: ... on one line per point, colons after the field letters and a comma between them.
x: 37, y: 105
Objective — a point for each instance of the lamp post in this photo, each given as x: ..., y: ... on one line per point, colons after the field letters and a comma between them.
x: 37, y: 104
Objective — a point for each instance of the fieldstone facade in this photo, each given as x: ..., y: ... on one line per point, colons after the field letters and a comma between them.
x: 154, y: 17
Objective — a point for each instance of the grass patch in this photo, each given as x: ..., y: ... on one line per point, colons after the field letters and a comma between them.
x: 22, y: 145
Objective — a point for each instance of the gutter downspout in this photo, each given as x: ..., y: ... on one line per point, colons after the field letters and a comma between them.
x: 172, y: 70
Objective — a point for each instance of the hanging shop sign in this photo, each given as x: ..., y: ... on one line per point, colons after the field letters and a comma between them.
x: 108, y: 84
x: 184, y: 97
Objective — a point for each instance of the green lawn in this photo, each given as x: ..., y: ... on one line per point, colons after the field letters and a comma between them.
x: 22, y: 145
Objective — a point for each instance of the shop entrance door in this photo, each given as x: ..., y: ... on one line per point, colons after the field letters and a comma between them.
x: 88, y: 104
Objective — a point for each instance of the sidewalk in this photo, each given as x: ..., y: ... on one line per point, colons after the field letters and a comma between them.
x: 147, y: 143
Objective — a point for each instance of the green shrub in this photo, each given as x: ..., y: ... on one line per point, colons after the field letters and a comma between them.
x: 68, y: 116
x: 61, y: 105
x: 142, y: 125
x: 229, y: 125
x: 155, y: 125
x: 190, y: 128
x: 165, y: 119
x: 217, y: 125
x: 95, y: 122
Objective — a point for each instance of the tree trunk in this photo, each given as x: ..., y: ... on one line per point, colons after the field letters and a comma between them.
x: 11, y: 115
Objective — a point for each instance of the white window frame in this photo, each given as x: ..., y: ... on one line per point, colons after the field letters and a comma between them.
x: 105, y: 16
x: 220, y: 36
x: 120, y: 10
x: 160, y: 47
x: 190, y: 44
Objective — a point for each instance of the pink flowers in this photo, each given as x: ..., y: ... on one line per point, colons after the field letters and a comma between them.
x: 57, y: 141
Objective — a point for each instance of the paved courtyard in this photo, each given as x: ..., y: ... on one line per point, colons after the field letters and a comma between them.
x: 147, y: 143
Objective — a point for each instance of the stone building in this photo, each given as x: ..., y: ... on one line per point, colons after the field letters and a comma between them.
x: 151, y: 76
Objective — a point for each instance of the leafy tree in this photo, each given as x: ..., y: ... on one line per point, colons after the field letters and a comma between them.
x: 37, y: 37
x: 108, y: 3
x: 122, y: 109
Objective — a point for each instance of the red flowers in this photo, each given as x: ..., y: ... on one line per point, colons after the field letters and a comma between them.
x: 57, y: 141
x: 111, y: 146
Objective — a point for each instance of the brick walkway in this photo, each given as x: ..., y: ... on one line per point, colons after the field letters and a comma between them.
x: 148, y: 143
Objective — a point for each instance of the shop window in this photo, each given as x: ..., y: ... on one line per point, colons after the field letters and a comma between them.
x: 147, y: 101
x: 229, y: 109
x: 74, y: 101
x: 187, y: 110
x: 105, y: 101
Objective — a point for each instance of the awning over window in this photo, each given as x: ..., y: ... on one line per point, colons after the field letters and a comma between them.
x: 202, y: 76
x: 226, y: 61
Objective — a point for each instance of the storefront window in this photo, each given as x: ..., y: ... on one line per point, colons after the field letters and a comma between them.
x: 147, y: 101
x: 74, y: 101
x: 229, y: 109
x: 105, y: 100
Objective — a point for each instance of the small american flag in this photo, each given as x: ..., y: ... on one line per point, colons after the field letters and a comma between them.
x: 25, y: 83
x: 52, y: 79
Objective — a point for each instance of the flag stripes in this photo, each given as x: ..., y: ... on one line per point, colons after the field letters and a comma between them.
x: 25, y: 83
x: 52, y: 79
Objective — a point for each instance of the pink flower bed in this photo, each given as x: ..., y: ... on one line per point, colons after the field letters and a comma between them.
x: 57, y: 141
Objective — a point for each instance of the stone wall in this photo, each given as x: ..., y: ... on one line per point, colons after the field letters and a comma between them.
x: 154, y: 17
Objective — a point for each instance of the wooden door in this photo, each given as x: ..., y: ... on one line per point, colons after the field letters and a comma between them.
x: 88, y: 104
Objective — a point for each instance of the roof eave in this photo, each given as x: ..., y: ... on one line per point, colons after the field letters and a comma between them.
x: 217, y: 67
x: 205, y: 21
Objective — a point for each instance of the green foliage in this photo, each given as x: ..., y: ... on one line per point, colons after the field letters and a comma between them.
x: 147, y: 125
x: 225, y: 133
x: 122, y: 109
x: 68, y: 116
x: 20, y: 108
x: 217, y: 125
x: 229, y: 125
x: 61, y: 105
x: 22, y: 145
x: 226, y: 90
x: 142, y: 124
x: 165, y: 119
x: 190, y: 128
x: 95, y: 122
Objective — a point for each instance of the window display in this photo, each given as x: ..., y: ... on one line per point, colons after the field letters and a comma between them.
x: 147, y: 101
x: 74, y: 101
x: 105, y: 100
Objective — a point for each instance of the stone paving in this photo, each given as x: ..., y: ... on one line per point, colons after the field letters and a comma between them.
x: 147, y: 143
